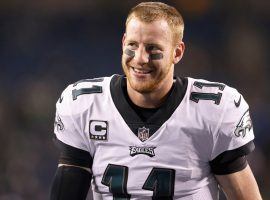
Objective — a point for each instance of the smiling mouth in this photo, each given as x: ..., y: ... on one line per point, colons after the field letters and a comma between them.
x: 141, y: 71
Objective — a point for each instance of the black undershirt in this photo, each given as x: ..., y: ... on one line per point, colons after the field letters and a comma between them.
x: 144, y: 113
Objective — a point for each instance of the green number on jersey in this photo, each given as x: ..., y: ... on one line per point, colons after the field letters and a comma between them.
x: 160, y: 181
x: 216, y: 97
x: 91, y: 90
x: 115, y: 177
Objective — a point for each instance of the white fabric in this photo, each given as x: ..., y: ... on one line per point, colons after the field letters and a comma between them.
x: 194, y: 135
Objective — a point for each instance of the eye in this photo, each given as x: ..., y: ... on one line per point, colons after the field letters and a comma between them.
x: 152, y: 48
x: 132, y: 44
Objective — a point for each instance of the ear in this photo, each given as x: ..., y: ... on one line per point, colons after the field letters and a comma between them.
x: 123, y: 41
x: 178, y: 52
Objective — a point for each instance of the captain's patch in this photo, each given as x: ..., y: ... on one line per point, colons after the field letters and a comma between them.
x: 98, y: 130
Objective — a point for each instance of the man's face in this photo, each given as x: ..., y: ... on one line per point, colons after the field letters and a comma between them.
x: 147, y: 58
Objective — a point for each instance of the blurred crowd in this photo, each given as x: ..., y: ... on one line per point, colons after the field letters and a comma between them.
x: 48, y: 44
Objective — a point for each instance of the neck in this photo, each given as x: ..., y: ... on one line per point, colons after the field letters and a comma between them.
x: 152, y: 99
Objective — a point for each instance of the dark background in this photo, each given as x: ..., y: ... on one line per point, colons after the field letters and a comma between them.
x: 47, y: 44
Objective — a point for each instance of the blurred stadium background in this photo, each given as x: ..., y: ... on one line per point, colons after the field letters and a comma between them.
x: 47, y: 44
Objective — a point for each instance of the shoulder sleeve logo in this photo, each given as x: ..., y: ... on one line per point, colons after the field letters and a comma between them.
x: 58, y: 124
x: 244, y: 125
x: 98, y: 130
x: 237, y: 103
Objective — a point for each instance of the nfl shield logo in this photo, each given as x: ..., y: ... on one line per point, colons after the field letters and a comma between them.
x: 143, y: 133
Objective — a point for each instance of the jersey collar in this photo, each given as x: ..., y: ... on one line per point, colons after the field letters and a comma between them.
x: 154, y: 122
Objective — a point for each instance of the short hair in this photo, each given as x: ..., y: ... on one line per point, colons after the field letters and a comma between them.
x: 152, y: 11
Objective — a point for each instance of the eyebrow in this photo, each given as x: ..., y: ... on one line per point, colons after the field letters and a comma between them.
x: 131, y: 41
x: 146, y: 44
x: 153, y: 44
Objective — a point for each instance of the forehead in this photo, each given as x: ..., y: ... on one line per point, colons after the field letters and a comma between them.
x: 155, y: 32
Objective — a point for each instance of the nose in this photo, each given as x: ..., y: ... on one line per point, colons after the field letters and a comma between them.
x: 141, y: 56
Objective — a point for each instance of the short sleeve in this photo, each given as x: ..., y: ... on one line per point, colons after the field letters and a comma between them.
x: 66, y: 127
x: 235, y: 129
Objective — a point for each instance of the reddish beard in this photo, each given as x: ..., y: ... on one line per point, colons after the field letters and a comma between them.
x: 148, y: 85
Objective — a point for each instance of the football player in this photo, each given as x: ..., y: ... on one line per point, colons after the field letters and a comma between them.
x: 150, y: 135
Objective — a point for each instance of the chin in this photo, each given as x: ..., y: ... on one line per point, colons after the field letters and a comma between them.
x: 143, y: 87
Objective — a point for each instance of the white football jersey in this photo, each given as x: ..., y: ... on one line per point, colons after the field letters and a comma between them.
x: 172, y: 162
